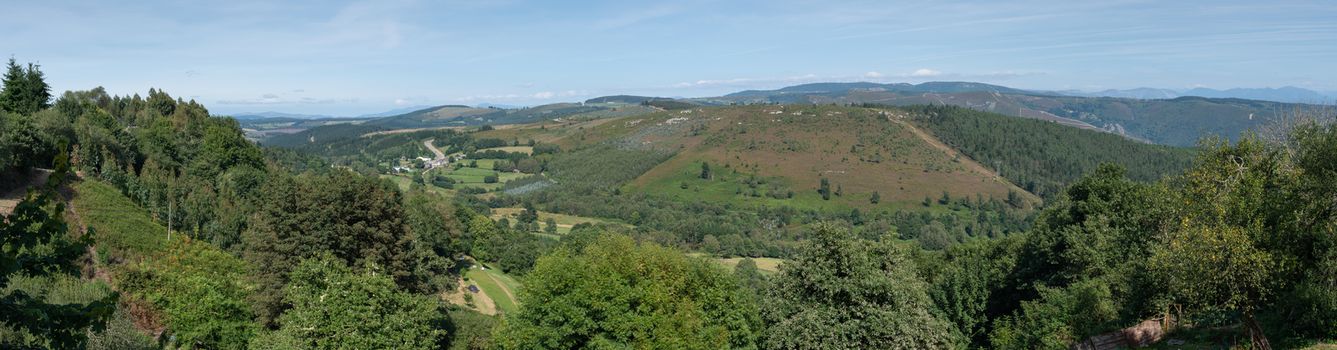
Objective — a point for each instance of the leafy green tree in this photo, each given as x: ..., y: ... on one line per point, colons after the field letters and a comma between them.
x: 616, y: 293
x: 705, y: 170
x: 842, y: 292
x: 825, y: 189
x: 1059, y: 318
x: 337, y: 307
x: 33, y: 242
x: 876, y: 198
x: 550, y: 226
x: 970, y: 285
x: 21, y: 143
x: 750, y: 276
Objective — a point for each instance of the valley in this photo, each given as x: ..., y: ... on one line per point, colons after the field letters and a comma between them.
x: 960, y: 215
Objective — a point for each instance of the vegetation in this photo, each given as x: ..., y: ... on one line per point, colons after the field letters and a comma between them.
x: 34, y: 244
x: 614, y: 292
x: 331, y: 304
x: 1043, y: 157
x: 840, y: 290
x: 729, y: 227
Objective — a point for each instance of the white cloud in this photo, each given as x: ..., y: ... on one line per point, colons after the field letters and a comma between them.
x: 873, y: 75
x: 925, y: 72
x: 401, y: 102
x: 544, y: 95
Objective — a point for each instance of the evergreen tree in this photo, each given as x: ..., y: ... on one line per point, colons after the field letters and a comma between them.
x: 15, y: 87
x: 875, y: 198
x: 37, y: 94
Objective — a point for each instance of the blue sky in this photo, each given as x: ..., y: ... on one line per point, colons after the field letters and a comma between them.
x: 348, y: 58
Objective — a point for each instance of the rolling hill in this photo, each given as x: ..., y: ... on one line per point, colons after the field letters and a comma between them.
x: 1180, y: 121
x: 779, y: 155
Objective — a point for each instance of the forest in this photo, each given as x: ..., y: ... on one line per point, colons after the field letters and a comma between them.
x: 146, y: 222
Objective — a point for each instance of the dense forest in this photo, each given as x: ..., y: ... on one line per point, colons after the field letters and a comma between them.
x: 148, y: 223
x: 1049, y: 155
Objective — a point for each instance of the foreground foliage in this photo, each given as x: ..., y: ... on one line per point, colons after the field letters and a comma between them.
x: 840, y: 292
x: 615, y: 293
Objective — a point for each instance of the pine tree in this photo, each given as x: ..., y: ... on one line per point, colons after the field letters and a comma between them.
x: 875, y: 199
x: 15, y: 83
x: 38, y: 92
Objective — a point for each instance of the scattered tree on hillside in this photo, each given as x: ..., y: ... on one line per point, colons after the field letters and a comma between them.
x: 875, y: 198
x: 825, y: 189
x: 705, y: 170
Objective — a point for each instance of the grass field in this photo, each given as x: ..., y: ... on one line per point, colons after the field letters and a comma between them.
x: 501, y: 288
x: 766, y: 265
x: 118, y: 224
x: 564, y: 222
x: 511, y: 149
x: 473, y: 177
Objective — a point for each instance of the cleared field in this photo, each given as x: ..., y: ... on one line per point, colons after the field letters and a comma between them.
x: 473, y: 177
x: 792, y: 148
x: 512, y: 149
x: 404, y: 182
x: 564, y: 222
x: 118, y: 224
x: 771, y: 265
x: 501, y: 293
x: 767, y: 266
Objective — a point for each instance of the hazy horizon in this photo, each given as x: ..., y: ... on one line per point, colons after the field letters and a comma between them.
x: 355, y: 58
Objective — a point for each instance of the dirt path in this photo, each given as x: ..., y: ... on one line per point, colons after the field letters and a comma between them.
x: 437, y: 152
x: 14, y: 192
x: 968, y: 162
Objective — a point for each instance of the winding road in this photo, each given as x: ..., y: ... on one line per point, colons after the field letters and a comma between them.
x: 437, y: 152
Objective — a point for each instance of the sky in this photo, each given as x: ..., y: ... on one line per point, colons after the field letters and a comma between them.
x: 351, y: 58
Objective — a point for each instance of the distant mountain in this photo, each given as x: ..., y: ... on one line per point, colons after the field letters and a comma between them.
x: 629, y: 99
x: 1289, y: 94
x: 392, y: 112
x: 1138, y: 93
x: 842, y: 88
x: 1179, y: 121
x: 280, y: 116
x: 277, y: 115
x: 1282, y: 94
x: 497, y: 105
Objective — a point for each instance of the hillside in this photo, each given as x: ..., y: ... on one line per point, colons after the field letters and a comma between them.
x: 1177, y: 122
x: 779, y: 155
x: 447, y: 117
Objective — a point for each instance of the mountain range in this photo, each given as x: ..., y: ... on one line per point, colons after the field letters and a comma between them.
x: 1289, y: 94
x: 1148, y: 115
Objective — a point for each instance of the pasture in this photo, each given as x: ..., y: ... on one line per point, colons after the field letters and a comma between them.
x: 564, y: 222
x: 500, y: 288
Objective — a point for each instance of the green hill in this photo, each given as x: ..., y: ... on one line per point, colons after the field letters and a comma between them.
x: 1177, y: 122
